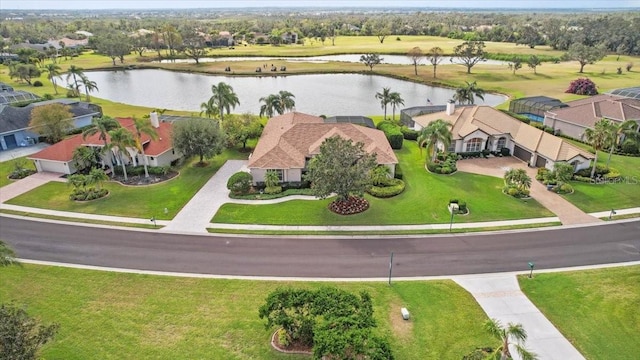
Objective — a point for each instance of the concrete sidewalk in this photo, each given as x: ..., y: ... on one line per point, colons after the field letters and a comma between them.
x: 500, y: 297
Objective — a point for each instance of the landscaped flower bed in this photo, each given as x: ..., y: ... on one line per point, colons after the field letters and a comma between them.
x: 353, y: 205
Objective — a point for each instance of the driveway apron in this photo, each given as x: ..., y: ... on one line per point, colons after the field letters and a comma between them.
x: 568, y: 213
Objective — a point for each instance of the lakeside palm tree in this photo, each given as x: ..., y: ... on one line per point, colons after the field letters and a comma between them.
x: 224, y: 98
x: 143, y: 126
x: 89, y: 86
x: 619, y: 131
x: 395, y: 100
x: 209, y: 109
x: 512, y: 334
x: 102, y: 126
x: 384, y: 99
x: 436, y: 131
x: 598, y: 137
x: 74, y: 73
x: 53, y: 71
x: 467, y: 93
x: 277, y: 103
x: 121, y: 139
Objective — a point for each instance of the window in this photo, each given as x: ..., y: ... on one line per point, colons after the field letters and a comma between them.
x: 452, y: 147
x: 280, y: 173
x: 501, y: 143
x: 474, y: 145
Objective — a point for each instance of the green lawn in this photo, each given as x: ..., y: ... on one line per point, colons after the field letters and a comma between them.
x: 597, y: 310
x: 131, y: 201
x: 104, y: 315
x: 7, y: 167
x: 424, y: 201
x: 619, y: 195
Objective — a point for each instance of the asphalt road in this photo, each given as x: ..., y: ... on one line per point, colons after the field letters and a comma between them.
x: 314, y: 257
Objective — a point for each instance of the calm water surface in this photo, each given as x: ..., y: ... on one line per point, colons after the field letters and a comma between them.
x: 322, y: 94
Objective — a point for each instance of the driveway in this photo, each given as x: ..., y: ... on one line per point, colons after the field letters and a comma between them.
x: 568, y: 213
x: 27, y: 184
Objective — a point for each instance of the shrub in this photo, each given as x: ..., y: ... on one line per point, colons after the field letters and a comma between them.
x: 613, y: 174
x: 393, y: 188
x: 37, y: 83
x: 47, y: 97
x: 542, y: 174
x: 630, y: 146
x: 409, y: 134
x: 240, y: 182
x: 565, y: 188
x: 582, y: 86
x: 582, y: 178
x: 283, y: 338
x: 88, y: 194
x: 515, y: 191
x: 600, y: 170
x: 273, y: 189
x: 393, y: 134
x: 398, y: 172
x: 71, y: 94
x: 629, y: 66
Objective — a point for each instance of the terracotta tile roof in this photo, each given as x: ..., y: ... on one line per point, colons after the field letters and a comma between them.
x: 63, y: 150
x: 466, y: 120
x: 288, y: 140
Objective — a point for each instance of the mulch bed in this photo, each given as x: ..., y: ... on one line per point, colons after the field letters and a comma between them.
x: 293, y: 348
x: 138, y: 180
x: 353, y: 205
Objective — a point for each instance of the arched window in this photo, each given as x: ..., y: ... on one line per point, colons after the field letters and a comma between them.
x: 474, y: 145
x: 501, y: 143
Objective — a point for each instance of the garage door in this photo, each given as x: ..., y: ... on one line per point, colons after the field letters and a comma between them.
x: 521, y: 153
x: 53, y: 166
x: 10, y: 141
x: 540, y: 161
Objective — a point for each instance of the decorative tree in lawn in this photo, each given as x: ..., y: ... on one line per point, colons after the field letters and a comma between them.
x: 198, y: 137
x: 582, y: 86
x: 22, y: 336
x: 240, y: 128
x: 470, y: 53
x: 517, y: 182
x: 342, y: 168
x: 512, y: 334
x: 584, y: 54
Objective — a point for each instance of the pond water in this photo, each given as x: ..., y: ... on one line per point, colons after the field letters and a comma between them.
x: 321, y: 94
x: 354, y: 58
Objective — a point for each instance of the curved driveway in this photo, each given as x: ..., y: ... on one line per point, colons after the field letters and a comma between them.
x: 322, y: 257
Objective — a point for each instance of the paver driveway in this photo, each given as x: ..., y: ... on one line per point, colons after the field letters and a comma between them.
x: 568, y: 213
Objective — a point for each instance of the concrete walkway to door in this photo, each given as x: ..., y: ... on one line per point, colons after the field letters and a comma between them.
x: 568, y: 213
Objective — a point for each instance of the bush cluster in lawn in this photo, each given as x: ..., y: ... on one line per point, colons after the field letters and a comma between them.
x: 515, y: 191
x: 139, y: 170
x: 444, y: 164
x: 582, y: 86
x: 88, y: 194
x: 390, y: 188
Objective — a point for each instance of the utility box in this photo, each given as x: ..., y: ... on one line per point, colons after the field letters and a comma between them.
x: 405, y: 313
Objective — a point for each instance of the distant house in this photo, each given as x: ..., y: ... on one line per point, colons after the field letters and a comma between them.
x: 224, y: 38
x: 476, y: 128
x: 14, y: 121
x: 290, y: 37
x: 59, y: 157
x: 289, y: 141
x: 584, y: 113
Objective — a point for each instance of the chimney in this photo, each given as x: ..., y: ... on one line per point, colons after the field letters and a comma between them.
x: 451, y: 107
x: 153, y: 117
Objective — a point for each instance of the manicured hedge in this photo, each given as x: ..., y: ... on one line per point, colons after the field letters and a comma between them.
x: 240, y: 182
x: 394, y: 187
x: 393, y: 133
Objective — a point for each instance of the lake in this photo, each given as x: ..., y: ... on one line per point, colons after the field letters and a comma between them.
x: 320, y: 94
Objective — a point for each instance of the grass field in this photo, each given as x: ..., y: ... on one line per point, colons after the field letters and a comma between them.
x: 105, y: 315
x: 597, y: 310
x: 131, y: 201
x: 6, y: 168
x: 424, y: 201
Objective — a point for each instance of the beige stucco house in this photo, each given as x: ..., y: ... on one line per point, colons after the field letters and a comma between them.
x: 476, y: 128
x: 288, y: 142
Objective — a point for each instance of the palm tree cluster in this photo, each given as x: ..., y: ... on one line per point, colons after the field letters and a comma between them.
x: 467, y: 93
x: 607, y: 133
x: 517, y: 182
x: 512, y: 334
x: 388, y: 97
x: 79, y: 79
x: 279, y: 103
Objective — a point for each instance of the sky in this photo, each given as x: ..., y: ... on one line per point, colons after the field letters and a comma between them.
x: 172, y: 4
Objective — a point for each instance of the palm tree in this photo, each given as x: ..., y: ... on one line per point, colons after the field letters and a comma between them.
x: 598, y: 137
x: 512, y: 334
x: 271, y: 178
x: 102, y: 126
x: 519, y: 178
x: 209, y: 109
x: 280, y: 103
x: 395, y: 100
x: 384, y: 99
x: 98, y: 177
x: 270, y: 105
x: 143, y: 126
x: 466, y: 94
x: 54, y: 72
x: 380, y: 174
x: 121, y: 139
x: 224, y: 98
x: 437, y: 131
x: 74, y: 72
x: 89, y: 86
x: 618, y: 132
x: 85, y: 157
x: 7, y: 255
